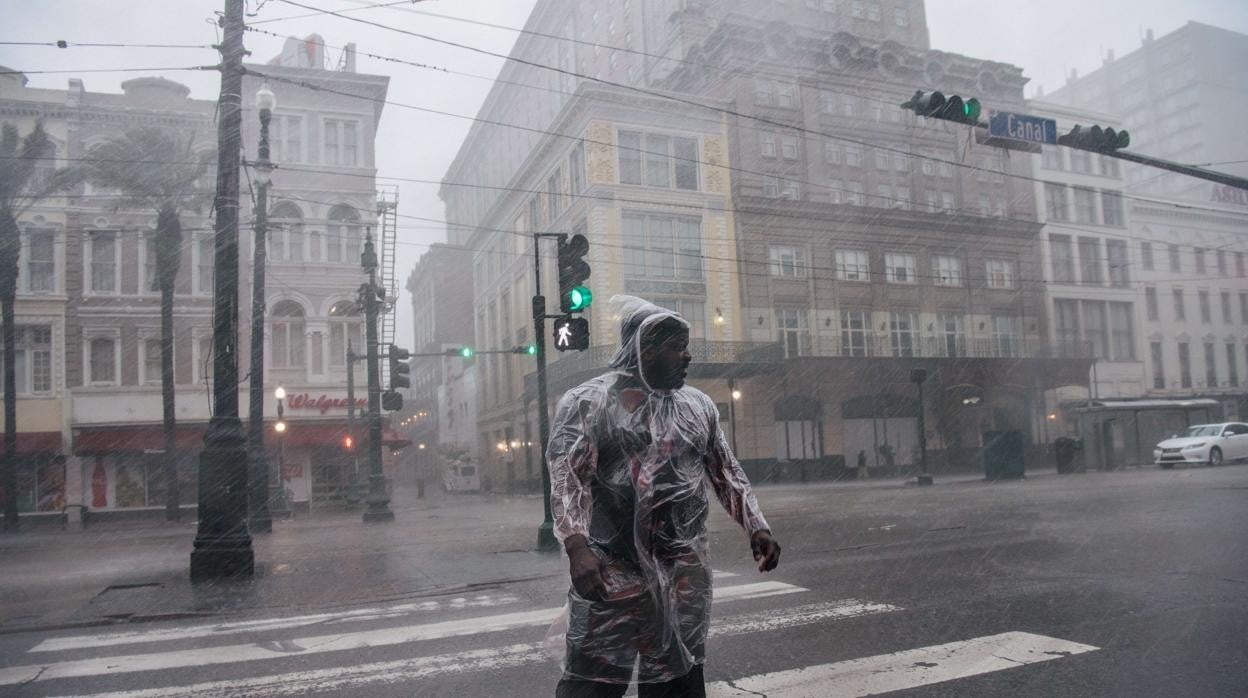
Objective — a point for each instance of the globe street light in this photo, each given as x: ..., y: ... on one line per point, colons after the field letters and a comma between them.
x: 281, y: 504
x: 261, y: 520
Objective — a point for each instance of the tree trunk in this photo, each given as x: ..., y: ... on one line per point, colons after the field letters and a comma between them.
x: 10, y: 249
x: 169, y: 250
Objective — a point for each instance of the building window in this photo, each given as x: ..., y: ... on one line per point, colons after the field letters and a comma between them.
x: 1185, y: 365
x: 1005, y: 344
x: 1199, y: 254
x: 853, y: 155
x: 853, y: 265
x: 554, y: 195
x: 341, y: 142
x: 1206, y: 313
x: 1221, y: 257
x: 1146, y: 255
x: 1081, y: 161
x: 792, y: 332
x: 764, y: 92
x: 32, y: 359
x: 1063, y: 259
x: 849, y: 105
x: 1095, y: 329
x: 150, y: 283
x: 952, y: 335
x: 1051, y: 159
x: 1066, y: 323
x: 630, y: 157
x: 788, y: 261
x: 103, y: 259
x: 899, y: 268
x: 1055, y: 202
x: 39, y: 257
x: 287, y: 328
x: 1159, y: 370
x: 854, y: 326
x: 1180, y: 308
x: 786, y: 95
x: 346, y: 333
x: 771, y: 186
x: 873, y: 12
x: 901, y: 17
x: 1243, y: 307
x: 788, y: 147
x: 692, y: 310
x: 832, y: 153
x: 205, y: 249
x: 1239, y: 265
x: 151, y: 361
x: 947, y: 270
x: 1085, y: 205
x: 1090, y: 263
x: 667, y: 161
x: 576, y: 169
x: 1000, y: 273
x: 343, y: 243
x: 286, y: 138
x: 797, y: 439
x: 1119, y: 267
x: 1111, y: 208
x: 857, y: 10
x: 881, y: 160
x: 662, y: 247
x: 1232, y: 364
x: 284, y: 234
x: 767, y: 144
x: 828, y: 102
x: 947, y: 204
x: 1174, y: 258
x: 1122, y: 332
x: 102, y: 355
x: 903, y: 329
x: 855, y: 196
x: 1226, y: 307
x: 789, y: 190
x: 1211, y: 366
x: 1150, y: 303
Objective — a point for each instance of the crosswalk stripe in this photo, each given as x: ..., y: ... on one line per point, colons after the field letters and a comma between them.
x: 59, y: 644
x: 903, y: 670
x: 304, y: 646
x: 356, y: 677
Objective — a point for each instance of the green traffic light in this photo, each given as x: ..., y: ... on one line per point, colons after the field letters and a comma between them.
x: 579, y: 298
x: 532, y: 350
x: 466, y: 352
x: 971, y: 109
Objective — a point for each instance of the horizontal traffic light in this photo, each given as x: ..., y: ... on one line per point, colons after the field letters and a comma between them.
x: 529, y: 349
x: 462, y: 352
x: 935, y: 105
x: 1095, y: 138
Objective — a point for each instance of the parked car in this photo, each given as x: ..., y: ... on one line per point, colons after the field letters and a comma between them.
x: 1213, y: 444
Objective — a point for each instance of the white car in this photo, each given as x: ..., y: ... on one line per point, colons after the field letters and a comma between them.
x: 1213, y: 444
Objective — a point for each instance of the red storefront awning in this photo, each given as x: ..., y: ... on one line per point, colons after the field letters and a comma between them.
x: 150, y: 437
x: 35, y: 442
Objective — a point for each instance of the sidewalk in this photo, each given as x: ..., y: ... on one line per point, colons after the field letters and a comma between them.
x: 138, y: 571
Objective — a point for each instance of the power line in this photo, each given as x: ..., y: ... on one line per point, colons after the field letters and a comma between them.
x: 61, y: 43
x: 105, y: 70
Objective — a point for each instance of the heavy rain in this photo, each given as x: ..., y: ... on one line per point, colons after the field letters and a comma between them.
x: 790, y: 348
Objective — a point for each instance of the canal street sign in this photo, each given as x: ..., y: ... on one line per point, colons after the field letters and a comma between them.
x: 1021, y: 127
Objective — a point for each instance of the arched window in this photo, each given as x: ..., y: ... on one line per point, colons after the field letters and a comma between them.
x: 344, y: 240
x: 288, y: 333
x: 285, y: 233
x: 345, y: 327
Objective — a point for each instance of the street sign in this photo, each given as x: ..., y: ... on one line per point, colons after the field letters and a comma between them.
x: 1022, y: 127
x: 571, y: 334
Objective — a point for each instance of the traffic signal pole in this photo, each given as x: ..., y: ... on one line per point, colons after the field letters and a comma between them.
x: 1197, y: 172
x: 378, y: 510
x: 546, y: 541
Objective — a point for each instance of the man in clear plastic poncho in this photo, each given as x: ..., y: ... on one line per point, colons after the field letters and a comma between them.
x: 631, y: 454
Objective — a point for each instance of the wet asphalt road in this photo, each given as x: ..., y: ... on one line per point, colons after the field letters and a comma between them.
x: 1132, y: 583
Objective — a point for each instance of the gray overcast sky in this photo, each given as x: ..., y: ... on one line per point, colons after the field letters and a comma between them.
x: 1046, y: 39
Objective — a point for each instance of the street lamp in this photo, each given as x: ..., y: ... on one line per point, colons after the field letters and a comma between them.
x: 918, y: 376
x: 378, y: 510
x: 258, y: 480
x: 732, y: 414
x: 281, y: 503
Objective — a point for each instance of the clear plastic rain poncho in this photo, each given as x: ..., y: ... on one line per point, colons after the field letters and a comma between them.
x: 634, y: 483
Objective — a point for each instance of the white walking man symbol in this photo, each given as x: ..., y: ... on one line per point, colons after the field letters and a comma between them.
x: 565, y: 336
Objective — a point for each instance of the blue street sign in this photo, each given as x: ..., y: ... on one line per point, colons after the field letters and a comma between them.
x: 1021, y: 127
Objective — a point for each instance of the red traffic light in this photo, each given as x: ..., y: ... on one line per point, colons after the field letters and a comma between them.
x: 348, y: 443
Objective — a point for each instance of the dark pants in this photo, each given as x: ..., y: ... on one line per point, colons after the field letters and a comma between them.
x: 690, y: 685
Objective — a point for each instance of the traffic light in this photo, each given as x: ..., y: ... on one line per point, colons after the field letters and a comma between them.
x: 462, y: 352
x: 530, y: 349
x: 400, y: 369
x: 936, y: 105
x: 571, y: 334
x: 1096, y: 139
x: 348, y: 443
x: 391, y: 401
x: 574, y: 296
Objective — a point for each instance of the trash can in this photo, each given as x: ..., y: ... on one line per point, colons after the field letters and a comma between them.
x: 1003, y: 455
x: 1064, y: 449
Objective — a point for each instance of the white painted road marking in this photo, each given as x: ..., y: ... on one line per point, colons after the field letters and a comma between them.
x: 902, y: 670
x: 355, y: 678
x: 319, y: 644
x: 218, y: 629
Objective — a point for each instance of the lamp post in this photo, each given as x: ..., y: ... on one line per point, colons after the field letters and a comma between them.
x: 282, y: 503
x: 258, y: 477
x: 918, y: 376
x: 732, y: 415
x: 378, y: 510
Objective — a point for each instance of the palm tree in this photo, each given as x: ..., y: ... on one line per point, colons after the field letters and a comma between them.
x: 155, y: 169
x: 20, y: 188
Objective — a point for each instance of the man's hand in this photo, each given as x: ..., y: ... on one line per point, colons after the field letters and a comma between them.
x: 766, y: 550
x: 586, y: 569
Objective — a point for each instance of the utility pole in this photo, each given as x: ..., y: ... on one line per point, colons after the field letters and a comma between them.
x: 222, y: 545
x: 352, y: 357
x: 378, y: 510
x: 546, y: 541
x: 258, y: 484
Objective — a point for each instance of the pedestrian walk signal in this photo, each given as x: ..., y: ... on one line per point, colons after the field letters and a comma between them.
x: 571, y: 334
